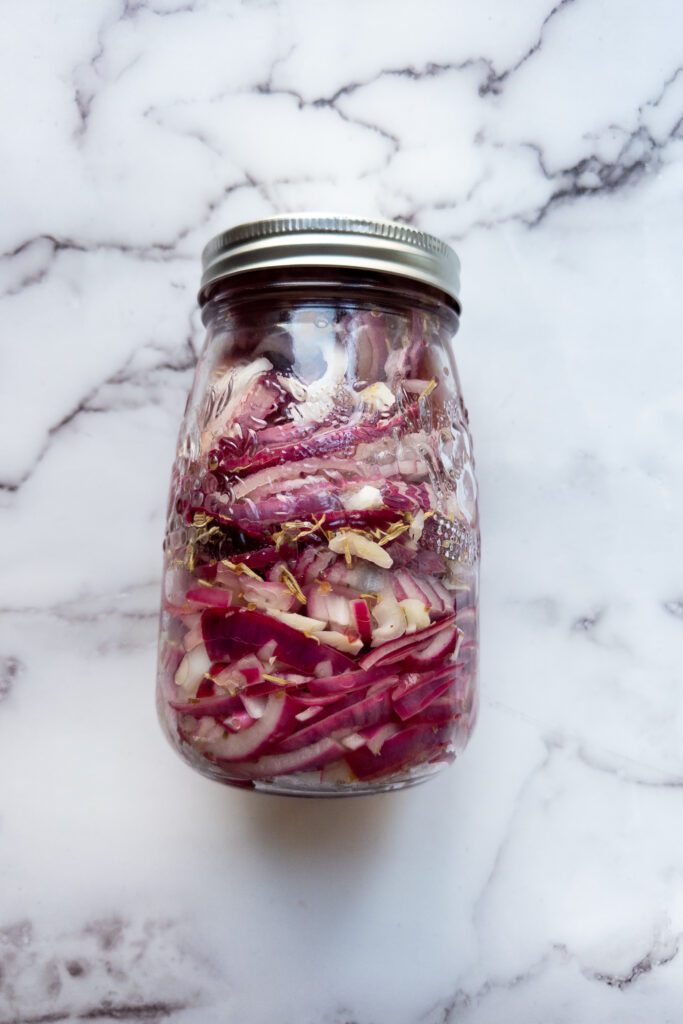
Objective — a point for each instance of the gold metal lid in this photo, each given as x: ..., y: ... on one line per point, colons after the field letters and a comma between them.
x: 330, y: 240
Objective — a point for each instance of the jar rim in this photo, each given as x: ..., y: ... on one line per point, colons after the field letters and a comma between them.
x: 331, y: 240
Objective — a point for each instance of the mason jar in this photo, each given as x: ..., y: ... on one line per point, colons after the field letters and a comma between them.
x: 319, y: 612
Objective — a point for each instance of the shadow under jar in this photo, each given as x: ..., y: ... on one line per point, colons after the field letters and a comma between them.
x: 319, y: 614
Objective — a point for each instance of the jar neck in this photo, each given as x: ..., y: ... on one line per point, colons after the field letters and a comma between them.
x: 297, y: 286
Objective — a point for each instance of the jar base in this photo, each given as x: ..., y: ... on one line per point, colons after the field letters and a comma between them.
x: 311, y: 786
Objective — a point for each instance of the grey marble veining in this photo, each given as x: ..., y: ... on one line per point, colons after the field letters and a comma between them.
x: 540, y: 880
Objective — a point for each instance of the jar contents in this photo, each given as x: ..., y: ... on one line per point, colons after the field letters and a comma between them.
x: 319, y: 619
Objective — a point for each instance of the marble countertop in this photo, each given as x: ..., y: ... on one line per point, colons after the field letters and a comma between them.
x: 539, y: 880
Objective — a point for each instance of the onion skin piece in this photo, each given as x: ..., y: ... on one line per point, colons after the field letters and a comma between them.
x: 246, y: 632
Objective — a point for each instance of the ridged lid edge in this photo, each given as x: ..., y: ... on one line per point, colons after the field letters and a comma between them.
x: 400, y: 239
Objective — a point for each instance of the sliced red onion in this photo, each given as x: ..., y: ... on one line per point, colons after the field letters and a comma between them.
x: 430, y: 563
x: 247, y: 671
x: 326, y: 604
x: 348, y: 476
x: 367, y: 346
x: 207, y: 688
x: 229, y: 397
x: 430, y: 655
x: 467, y: 622
x: 322, y: 443
x: 262, y: 557
x: 347, y: 643
x: 254, y: 706
x: 406, y: 586
x: 309, y: 502
x: 264, y: 398
x: 417, y: 690
x: 376, y: 736
x: 193, y: 668
x: 362, y: 577
x: 310, y: 700
x: 360, y: 614
x: 306, y: 759
x: 243, y: 632
x: 366, y: 711
x: 353, y: 741
x: 264, y: 688
x: 407, y: 497
x: 440, y: 711
x: 259, y: 520
x: 286, y: 433
x: 445, y: 596
x: 210, y: 597
x: 213, y: 707
x: 273, y: 681
x: 237, y: 721
x: 312, y: 562
x: 275, y: 722
x: 403, y: 750
x: 385, y: 651
x: 193, y: 637
x: 309, y: 712
x: 349, y: 681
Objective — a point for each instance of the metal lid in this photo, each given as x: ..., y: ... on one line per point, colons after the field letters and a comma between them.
x: 329, y: 240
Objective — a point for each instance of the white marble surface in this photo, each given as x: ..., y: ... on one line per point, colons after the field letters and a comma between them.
x: 540, y: 880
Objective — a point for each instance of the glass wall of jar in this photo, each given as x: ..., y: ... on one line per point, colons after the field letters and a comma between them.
x: 319, y: 613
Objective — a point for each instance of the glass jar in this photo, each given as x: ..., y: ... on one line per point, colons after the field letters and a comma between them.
x: 319, y: 615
